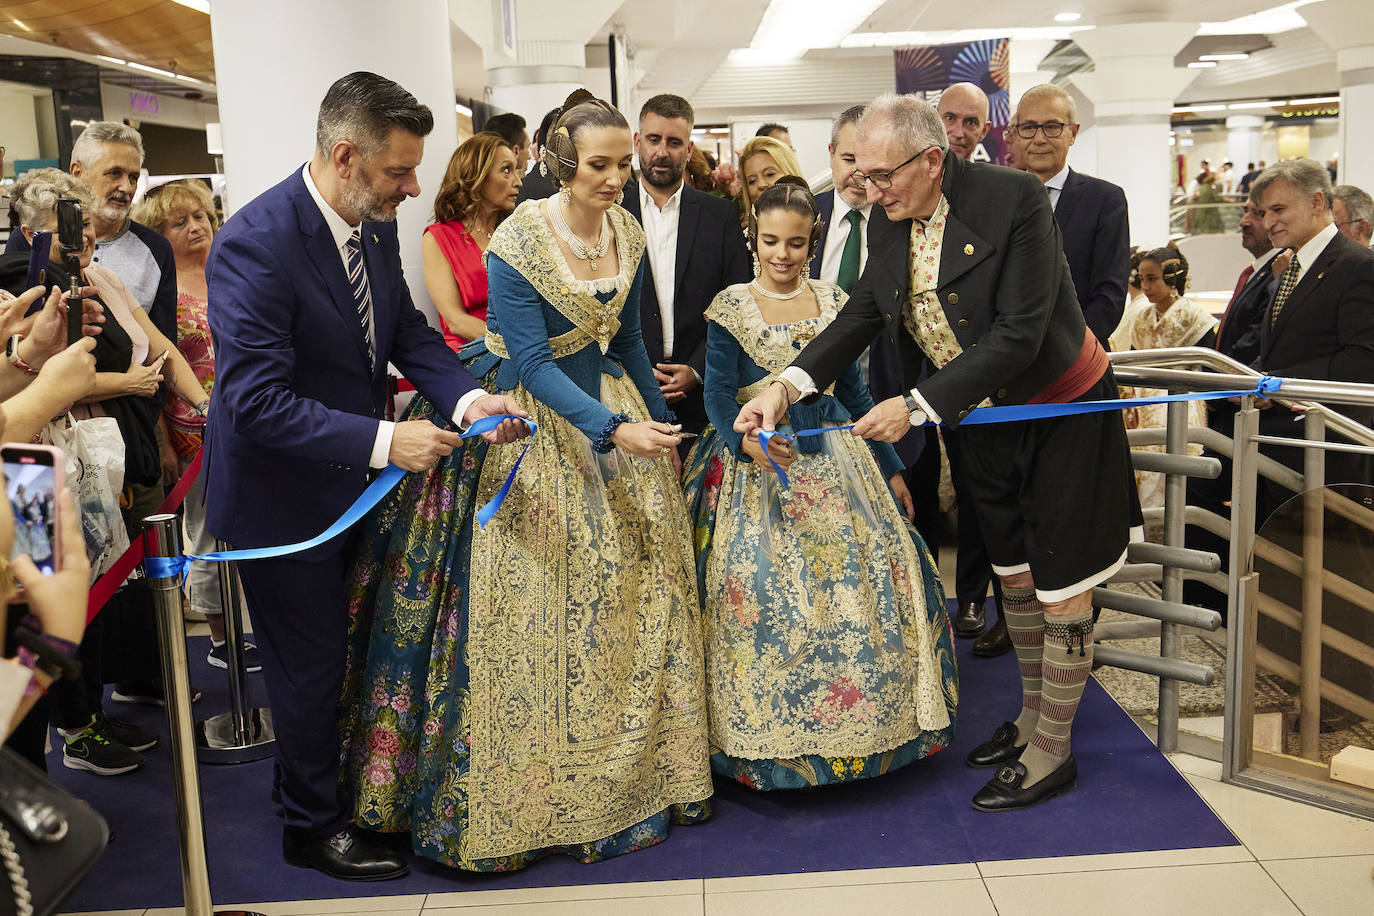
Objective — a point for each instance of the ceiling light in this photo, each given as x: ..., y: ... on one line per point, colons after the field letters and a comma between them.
x: 21, y: 25
x: 113, y: 60
x: 1201, y: 64
x: 1272, y: 21
x: 800, y: 25
x: 1197, y: 109
x: 1317, y: 100
x: 1067, y: 17
x: 147, y: 69
x: 1240, y: 106
x: 1244, y: 55
x: 908, y: 39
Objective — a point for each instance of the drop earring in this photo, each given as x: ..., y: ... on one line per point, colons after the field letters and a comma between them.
x: 564, y: 195
x: 758, y: 268
x: 620, y: 197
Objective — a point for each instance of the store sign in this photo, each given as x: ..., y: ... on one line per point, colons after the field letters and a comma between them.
x: 1319, y: 112
x: 145, y: 102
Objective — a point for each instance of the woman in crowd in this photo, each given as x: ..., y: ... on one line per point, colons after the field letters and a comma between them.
x: 184, y: 213
x: 1164, y: 317
x: 535, y: 686
x: 1207, y: 196
x: 131, y: 358
x: 761, y: 163
x: 479, y: 190
x: 842, y: 668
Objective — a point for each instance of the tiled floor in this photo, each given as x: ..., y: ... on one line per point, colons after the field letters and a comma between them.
x: 1294, y: 860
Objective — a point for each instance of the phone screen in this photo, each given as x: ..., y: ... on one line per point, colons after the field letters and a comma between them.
x: 29, y: 484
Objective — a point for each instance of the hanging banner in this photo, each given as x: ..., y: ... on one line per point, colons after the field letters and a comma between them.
x: 929, y: 69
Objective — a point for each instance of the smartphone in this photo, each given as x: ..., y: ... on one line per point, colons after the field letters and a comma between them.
x: 31, y: 486
x: 72, y: 241
x: 38, y: 266
x: 69, y: 220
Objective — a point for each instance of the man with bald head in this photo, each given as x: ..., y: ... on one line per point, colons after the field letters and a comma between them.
x: 964, y: 110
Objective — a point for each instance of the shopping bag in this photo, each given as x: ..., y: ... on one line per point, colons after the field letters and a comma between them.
x: 95, y: 476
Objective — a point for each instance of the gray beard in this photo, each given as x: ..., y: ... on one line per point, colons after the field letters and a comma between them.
x: 114, y: 214
x: 359, y: 198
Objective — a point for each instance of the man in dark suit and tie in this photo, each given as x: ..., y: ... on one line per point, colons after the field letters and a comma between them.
x: 307, y: 306
x: 1091, y: 213
x: 841, y: 255
x: 693, y: 247
x: 969, y: 267
x: 1320, y: 321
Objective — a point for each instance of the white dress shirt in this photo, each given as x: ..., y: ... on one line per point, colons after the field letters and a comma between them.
x: 1056, y: 186
x: 660, y: 244
x: 342, y: 232
x: 1308, y: 253
x: 838, y: 233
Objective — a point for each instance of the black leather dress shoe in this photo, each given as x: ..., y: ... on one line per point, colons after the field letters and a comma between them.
x: 349, y: 855
x: 994, y: 642
x: 1001, y: 748
x: 1004, y: 792
x: 969, y: 622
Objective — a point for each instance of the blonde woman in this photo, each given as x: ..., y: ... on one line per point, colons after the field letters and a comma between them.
x: 761, y: 163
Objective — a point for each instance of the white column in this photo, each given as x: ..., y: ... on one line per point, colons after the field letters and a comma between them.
x: 1243, y: 134
x: 274, y: 61
x: 1132, y: 88
x: 1347, y: 27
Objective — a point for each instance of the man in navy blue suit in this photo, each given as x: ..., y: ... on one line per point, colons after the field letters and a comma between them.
x: 307, y: 306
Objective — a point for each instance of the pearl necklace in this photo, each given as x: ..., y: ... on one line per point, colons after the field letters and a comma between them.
x: 579, y: 248
x: 801, y: 286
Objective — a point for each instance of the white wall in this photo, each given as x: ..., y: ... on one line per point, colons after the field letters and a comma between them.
x: 20, y: 131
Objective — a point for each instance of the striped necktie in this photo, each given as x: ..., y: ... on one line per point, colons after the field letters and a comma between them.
x: 1286, y: 284
x: 362, y: 293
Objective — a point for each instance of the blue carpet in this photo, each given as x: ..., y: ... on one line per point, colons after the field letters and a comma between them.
x: 1129, y: 799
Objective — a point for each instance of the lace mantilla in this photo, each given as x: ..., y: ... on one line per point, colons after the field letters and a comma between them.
x: 771, y: 346
x: 525, y: 242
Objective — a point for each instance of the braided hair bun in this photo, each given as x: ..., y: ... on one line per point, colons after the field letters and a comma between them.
x: 580, y: 111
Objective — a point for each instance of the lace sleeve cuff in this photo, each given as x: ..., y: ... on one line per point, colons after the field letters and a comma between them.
x: 602, y: 442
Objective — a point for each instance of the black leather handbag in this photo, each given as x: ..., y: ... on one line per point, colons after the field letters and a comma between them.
x: 49, y: 839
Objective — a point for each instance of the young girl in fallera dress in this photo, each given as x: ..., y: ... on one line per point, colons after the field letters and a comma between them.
x: 828, y: 648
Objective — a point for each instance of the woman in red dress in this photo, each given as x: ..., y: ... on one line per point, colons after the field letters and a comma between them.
x: 479, y: 190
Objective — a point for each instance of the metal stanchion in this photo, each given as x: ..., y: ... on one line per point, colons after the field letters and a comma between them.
x: 162, y: 538
x: 245, y: 732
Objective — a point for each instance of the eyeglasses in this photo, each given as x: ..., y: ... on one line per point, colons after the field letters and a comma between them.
x: 1026, y: 129
x: 1351, y: 222
x: 883, y: 180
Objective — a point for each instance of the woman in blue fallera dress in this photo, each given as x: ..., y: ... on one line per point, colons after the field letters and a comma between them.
x: 535, y: 685
x: 828, y: 649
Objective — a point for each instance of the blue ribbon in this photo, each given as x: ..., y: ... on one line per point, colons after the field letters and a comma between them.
x: 1266, y: 386
x: 176, y: 567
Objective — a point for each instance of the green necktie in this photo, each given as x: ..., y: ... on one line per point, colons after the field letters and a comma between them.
x: 849, y: 258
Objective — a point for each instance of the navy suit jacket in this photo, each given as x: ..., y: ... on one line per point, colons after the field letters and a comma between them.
x: 1241, y: 326
x: 826, y: 204
x: 296, y: 402
x: 1092, y: 218
x: 711, y: 255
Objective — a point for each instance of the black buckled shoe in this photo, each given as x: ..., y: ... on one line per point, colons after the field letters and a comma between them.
x: 1001, y: 748
x: 994, y: 642
x: 349, y: 855
x: 1005, y: 793
x: 970, y: 620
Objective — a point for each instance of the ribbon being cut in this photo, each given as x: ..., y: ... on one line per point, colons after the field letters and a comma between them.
x: 173, y: 567
x: 1265, y: 387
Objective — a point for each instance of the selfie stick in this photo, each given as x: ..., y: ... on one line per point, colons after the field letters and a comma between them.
x: 162, y: 538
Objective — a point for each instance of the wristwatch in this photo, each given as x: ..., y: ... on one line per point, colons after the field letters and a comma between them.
x: 12, y: 354
x: 918, y: 414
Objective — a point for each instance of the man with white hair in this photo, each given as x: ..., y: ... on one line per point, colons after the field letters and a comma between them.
x: 1352, y: 210
x: 970, y: 273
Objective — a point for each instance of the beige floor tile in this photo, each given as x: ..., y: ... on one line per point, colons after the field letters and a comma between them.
x: 843, y: 878
x: 1337, y: 886
x: 682, y: 905
x: 1182, y: 891
x: 1276, y: 828
x: 1163, y: 858
x: 967, y: 897
x: 396, y: 905
x: 639, y: 889
x: 1196, y: 766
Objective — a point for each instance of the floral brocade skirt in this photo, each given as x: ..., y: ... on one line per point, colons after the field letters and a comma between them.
x: 533, y: 687
x: 829, y: 654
